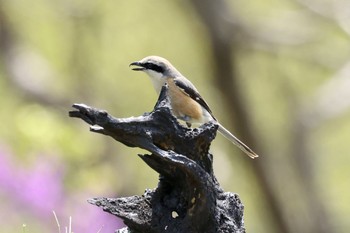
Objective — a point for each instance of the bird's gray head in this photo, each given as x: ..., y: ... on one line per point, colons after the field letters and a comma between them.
x: 157, y: 68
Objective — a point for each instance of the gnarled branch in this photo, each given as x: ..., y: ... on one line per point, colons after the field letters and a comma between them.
x: 188, y: 197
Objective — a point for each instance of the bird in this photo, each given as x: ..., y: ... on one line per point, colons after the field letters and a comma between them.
x: 186, y: 102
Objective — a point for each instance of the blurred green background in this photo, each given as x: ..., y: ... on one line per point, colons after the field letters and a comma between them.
x: 277, y: 73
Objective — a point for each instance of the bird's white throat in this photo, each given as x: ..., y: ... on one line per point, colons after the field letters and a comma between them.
x: 158, y: 80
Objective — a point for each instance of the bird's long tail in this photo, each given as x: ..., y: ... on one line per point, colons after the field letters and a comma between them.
x: 227, y: 134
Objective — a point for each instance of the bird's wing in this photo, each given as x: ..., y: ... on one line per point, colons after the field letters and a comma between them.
x: 189, y: 89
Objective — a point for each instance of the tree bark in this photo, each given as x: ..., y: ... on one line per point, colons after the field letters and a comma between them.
x: 188, y: 197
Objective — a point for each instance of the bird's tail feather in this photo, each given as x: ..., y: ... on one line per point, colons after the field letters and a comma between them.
x: 227, y: 134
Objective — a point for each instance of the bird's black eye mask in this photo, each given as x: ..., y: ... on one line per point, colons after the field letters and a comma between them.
x: 154, y: 67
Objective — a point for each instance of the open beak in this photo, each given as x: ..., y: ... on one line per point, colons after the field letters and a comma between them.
x: 139, y: 66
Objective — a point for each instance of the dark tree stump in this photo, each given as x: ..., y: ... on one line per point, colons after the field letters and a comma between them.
x: 188, y: 197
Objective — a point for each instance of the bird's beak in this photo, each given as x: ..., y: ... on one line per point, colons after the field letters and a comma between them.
x: 139, y: 66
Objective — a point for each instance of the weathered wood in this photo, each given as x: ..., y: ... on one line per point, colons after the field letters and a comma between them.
x: 188, y: 197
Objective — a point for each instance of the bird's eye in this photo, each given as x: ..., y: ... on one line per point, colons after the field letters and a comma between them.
x: 154, y: 67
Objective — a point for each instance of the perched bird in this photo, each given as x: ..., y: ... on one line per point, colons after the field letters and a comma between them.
x: 186, y: 102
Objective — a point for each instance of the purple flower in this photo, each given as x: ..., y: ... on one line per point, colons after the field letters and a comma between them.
x: 38, y: 190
